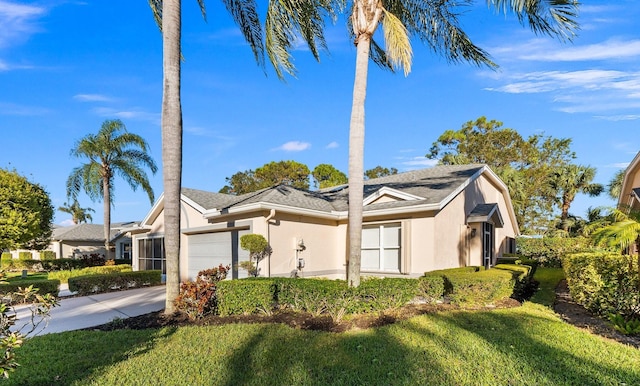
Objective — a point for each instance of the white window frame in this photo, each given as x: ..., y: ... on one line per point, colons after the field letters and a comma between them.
x: 162, y: 258
x: 381, y: 247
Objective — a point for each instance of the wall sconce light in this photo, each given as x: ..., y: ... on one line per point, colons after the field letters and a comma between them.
x: 473, y: 232
x: 301, y: 247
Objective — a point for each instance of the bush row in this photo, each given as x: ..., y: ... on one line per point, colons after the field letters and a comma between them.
x: 90, y: 284
x: 43, y: 286
x: 64, y: 276
x: 604, y: 283
x: 462, y: 286
x: 549, y: 251
x: 56, y: 264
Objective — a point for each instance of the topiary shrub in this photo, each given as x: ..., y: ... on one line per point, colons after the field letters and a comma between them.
x: 47, y: 255
x: 258, y: 248
x: 64, y: 275
x: 197, y: 299
x: 42, y: 287
x: 470, y: 288
x: 23, y: 255
x: 432, y: 288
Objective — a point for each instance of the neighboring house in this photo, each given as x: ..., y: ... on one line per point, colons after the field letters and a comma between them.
x: 418, y: 221
x: 85, y: 239
x: 630, y: 190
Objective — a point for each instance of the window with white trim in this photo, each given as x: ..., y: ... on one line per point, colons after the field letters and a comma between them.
x: 381, y: 247
x: 151, y: 254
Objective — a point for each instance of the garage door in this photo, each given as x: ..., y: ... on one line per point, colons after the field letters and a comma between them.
x: 209, y: 250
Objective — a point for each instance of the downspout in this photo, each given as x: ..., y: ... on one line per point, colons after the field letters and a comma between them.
x: 271, y: 215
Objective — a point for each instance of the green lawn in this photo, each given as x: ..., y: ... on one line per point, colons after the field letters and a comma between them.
x: 528, y: 345
x: 17, y: 276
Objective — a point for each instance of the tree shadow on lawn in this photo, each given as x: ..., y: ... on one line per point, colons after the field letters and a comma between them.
x: 280, y: 355
x: 534, y: 349
x: 69, y: 357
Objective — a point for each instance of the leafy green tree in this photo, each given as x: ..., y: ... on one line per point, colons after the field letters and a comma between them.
x: 286, y: 23
x: 26, y: 213
x: 379, y: 171
x: 112, y: 151
x: 326, y: 175
x: 615, y: 185
x: 524, y: 164
x: 290, y: 173
x: 570, y: 180
x: 78, y: 214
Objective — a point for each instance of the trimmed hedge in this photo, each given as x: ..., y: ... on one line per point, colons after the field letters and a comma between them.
x: 246, y: 296
x: 91, y: 284
x: 25, y: 255
x: 18, y: 264
x: 43, y: 286
x: 604, y: 283
x: 474, y: 286
x: 549, y: 251
x: 64, y: 276
x: 47, y: 255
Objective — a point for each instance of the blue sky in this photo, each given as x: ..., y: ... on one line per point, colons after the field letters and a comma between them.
x: 66, y: 66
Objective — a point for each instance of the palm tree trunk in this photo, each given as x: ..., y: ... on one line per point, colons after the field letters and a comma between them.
x: 171, y: 146
x: 356, y: 160
x: 106, y: 198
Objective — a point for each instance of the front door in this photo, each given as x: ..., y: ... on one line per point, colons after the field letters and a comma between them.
x: 487, y: 245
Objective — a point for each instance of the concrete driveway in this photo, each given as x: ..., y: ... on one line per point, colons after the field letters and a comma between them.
x: 75, y: 313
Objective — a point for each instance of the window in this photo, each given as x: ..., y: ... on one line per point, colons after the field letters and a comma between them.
x: 151, y: 254
x: 381, y: 248
x: 125, y: 251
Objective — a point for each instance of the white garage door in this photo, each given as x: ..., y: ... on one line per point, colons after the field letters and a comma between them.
x: 209, y: 250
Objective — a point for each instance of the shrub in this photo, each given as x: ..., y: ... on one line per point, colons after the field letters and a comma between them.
x: 197, y: 299
x: 42, y: 287
x: 90, y: 284
x: 375, y: 294
x: 93, y: 260
x: 604, y: 283
x: 432, y: 288
x: 25, y: 255
x: 64, y: 264
x: 246, y: 296
x: 47, y: 255
x: 6, y: 256
x: 64, y: 275
x: 16, y: 264
x: 549, y: 251
x: 6, y: 263
x: 468, y: 287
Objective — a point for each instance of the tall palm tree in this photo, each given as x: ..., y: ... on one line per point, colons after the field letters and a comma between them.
x: 621, y: 234
x: 283, y: 20
x: 112, y: 151
x: 570, y: 180
x: 78, y: 214
x: 615, y: 185
x: 435, y: 23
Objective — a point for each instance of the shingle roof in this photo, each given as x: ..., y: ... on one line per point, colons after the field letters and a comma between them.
x: 430, y: 185
x: 81, y: 232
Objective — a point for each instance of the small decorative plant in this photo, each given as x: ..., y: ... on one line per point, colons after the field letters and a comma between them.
x: 258, y: 248
x: 627, y: 326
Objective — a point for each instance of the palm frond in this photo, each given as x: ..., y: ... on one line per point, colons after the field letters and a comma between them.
x: 556, y: 18
x: 378, y: 55
x: 397, y: 43
x: 245, y: 15
x: 288, y: 22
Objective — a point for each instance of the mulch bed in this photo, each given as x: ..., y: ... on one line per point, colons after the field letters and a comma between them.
x: 569, y: 311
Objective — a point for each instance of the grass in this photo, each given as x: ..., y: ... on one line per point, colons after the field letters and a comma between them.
x: 13, y: 277
x: 528, y: 345
x: 548, y: 279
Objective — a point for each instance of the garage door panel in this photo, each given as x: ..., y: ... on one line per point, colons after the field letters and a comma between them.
x: 209, y: 250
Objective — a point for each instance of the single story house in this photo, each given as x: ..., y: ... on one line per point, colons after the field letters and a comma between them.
x: 413, y: 222
x: 630, y: 189
x: 85, y: 239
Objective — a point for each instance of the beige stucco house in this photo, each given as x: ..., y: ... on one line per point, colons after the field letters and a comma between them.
x: 85, y: 239
x: 630, y: 190
x: 423, y: 220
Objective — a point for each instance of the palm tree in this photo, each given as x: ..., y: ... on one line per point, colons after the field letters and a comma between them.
x: 435, y: 23
x: 615, y: 185
x: 570, y: 180
x: 283, y: 20
x: 622, y: 233
x: 112, y: 151
x: 78, y: 214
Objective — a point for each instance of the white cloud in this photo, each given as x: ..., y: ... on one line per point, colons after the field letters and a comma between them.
x: 67, y: 223
x: 135, y: 113
x: 419, y: 162
x: 92, y: 98
x: 294, y: 146
x: 332, y: 145
x: 617, y: 118
x: 18, y: 22
x: 610, y: 49
x: 621, y: 165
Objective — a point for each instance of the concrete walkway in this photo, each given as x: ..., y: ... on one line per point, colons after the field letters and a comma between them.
x: 75, y: 313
